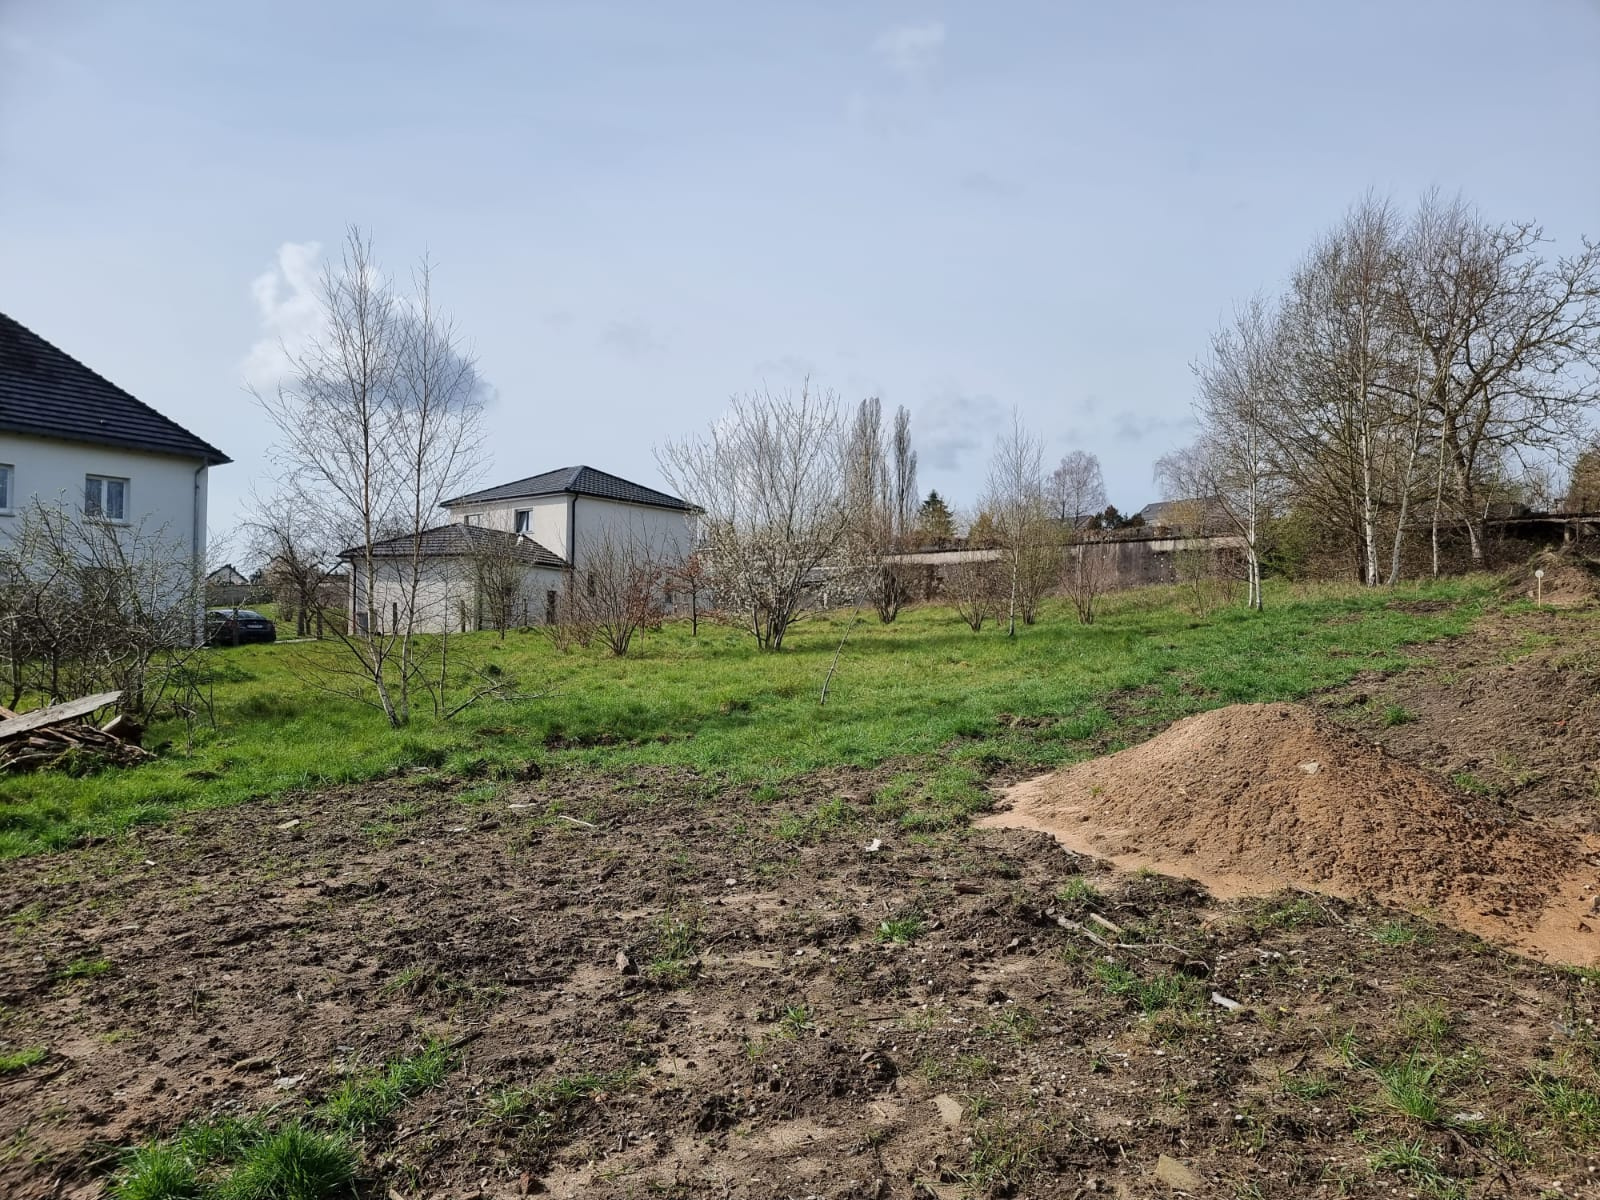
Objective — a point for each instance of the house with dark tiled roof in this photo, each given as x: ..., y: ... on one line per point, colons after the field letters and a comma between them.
x: 71, y: 438
x: 534, y: 536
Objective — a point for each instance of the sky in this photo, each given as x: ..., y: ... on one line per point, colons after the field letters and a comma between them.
x: 638, y: 210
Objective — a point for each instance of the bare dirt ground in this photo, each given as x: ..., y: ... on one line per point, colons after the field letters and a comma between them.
x: 964, y: 1012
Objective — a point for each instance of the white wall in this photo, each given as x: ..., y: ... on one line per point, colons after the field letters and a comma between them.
x: 163, y: 495
x: 446, y: 595
x: 547, y: 516
x: 667, y: 533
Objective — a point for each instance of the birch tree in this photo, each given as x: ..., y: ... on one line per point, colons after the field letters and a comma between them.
x: 377, y: 420
x: 1015, y: 498
x: 1337, y: 321
x: 1230, y: 467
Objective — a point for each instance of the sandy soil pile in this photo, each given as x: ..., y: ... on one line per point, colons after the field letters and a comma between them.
x: 1570, y: 580
x: 1253, y: 798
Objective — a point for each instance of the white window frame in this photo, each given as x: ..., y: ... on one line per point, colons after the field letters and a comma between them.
x: 8, y: 489
x: 522, y: 520
x: 95, y: 508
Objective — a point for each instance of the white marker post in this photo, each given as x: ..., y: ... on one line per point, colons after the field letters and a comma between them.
x: 1538, y: 586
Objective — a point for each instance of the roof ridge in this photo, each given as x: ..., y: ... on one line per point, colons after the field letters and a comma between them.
x: 121, y: 391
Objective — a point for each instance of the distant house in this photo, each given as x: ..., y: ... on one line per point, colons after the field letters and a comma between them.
x: 226, y: 576
x: 1196, y: 516
x: 72, y: 438
x: 541, y: 530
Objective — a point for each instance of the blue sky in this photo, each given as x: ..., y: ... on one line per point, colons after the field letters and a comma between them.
x: 637, y: 210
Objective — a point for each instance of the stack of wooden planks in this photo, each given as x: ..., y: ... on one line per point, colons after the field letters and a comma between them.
x: 62, y: 737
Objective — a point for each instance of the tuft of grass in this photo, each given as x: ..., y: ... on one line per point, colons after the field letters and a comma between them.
x: 1573, y: 1109
x: 1159, y: 992
x: 1005, y: 1156
x: 364, y: 1103
x: 555, y: 1096
x: 1408, y: 1088
x: 1428, y: 1023
x: 1412, y: 1160
x: 156, y: 1173
x: 1398, y: 714
x: 1078, y: 893
x: 673, y: 944
x: 1291, y: 913
x: 85, y: 968
x: 221, y: 1140
x: 1468, y: 782
x: 295, y: 1163
x: 902, y: 928
x: 21, y: 1060
x: 1398, y: 933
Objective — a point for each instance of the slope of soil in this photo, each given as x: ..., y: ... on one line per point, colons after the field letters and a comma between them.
x: 1570, y: 580
x: 1510, y: 711
x: 1253, y: 798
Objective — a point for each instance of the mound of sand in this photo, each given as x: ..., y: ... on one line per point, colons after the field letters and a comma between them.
x: 1254, y: 798
x: 1570, y: 580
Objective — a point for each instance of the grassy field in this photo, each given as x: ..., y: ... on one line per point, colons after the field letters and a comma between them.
x: 954, y: 707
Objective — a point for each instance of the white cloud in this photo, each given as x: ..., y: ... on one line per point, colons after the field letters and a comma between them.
x: 912, y: 50
x: 290, y: 311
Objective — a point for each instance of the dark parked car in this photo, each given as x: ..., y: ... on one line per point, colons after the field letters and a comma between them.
x: 231, y: 626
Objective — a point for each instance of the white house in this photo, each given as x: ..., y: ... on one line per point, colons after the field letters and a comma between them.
x: 72, y: 438
x: 543, y: 529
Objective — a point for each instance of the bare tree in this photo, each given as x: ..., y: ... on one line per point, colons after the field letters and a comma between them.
x: 1231, y: 466
x: 1086, y: 575
x: 1507, y: 344
x: 377, y: 421
x: 1344, y: 349
x: 976, y: 586
x: 692, y: 577
x: 903, y: 480
x: 299, y: 559
x: 1076, y: 487
x: 89, y: 606
x: 1015, y: 498
x: 770, y: 479
x: 619, y: 589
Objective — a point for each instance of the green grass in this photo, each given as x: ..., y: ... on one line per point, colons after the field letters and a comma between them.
x: 1412, y: 1160
x: 1569, y: 1107
x: 1398, y: 933
x: 1158, y: 992
x: 296, y: 1163
x: 157, y: 1172
x: 553, y: 1096
x: 925, y: 686
x: 1078, y: 893
x: 85, y: 968
x: 365, y: 1102
x: 1407, y: 1087
x: 902, y: 928
x: 21, y: 1060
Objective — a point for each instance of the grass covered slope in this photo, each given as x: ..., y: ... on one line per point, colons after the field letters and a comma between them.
x: 713, y: 704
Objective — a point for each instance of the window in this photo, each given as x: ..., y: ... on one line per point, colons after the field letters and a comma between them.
x: 522, y: 520
x: 472, y: 519
x: 6, y: 501
x: 105, y: 496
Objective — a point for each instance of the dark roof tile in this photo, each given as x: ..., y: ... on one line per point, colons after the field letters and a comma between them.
x: 463, y: 541
x: 45, y: 392
x: 580, y: 481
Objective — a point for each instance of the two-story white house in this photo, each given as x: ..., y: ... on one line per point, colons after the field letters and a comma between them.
x: 72, y: 439
x: 545, y: 528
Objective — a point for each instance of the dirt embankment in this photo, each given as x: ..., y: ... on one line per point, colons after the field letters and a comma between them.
x: 1254, y: 798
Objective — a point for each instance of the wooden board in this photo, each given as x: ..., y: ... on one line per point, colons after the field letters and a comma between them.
x: 39, y: 718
